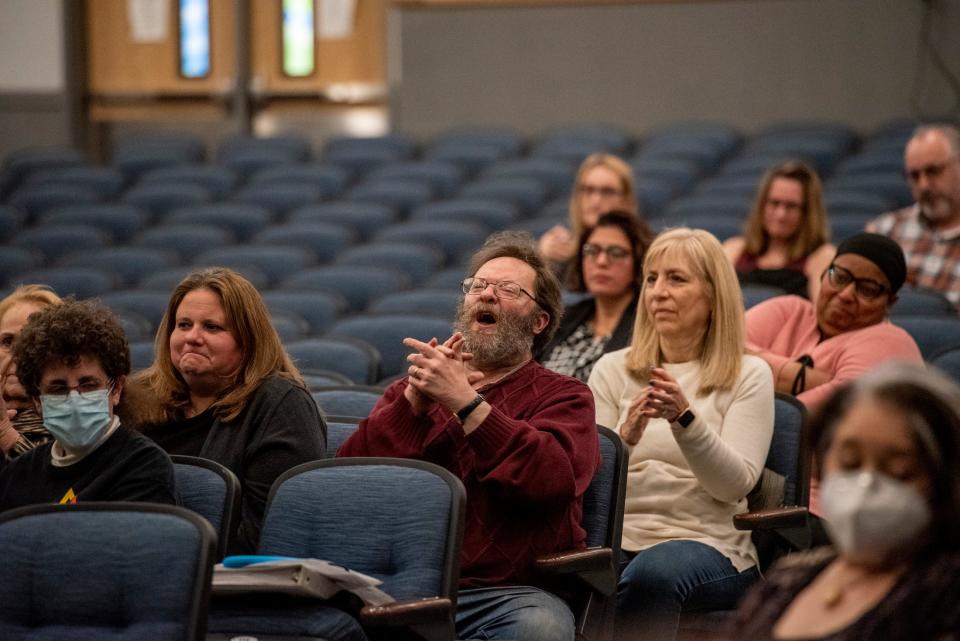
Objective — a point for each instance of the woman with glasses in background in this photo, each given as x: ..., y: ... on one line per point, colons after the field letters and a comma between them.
x: 604, y: 183
x: 608, y: 266
x: 785, y: 241
x: 73, y: 360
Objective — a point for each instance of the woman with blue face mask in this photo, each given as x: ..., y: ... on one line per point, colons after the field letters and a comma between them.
x: 73, y: 360
x: 887, y: 447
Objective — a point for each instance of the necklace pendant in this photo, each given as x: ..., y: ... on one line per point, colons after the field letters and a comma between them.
x: 832, y: 598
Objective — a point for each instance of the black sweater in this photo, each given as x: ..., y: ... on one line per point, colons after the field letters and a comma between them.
x: 127, y: 467
x: 579, y: 313
x: 279, y: 428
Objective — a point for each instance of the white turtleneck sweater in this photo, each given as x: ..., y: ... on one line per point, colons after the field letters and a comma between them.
x: 687, y: 483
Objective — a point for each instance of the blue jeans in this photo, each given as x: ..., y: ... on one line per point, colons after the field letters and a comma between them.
x: 516, y: 613
x: 658, y: 583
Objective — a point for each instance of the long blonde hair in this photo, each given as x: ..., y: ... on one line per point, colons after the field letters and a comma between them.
x: 813, y: 230
x: 723, y: 343
x: 247, y: 319
x: 627, y: 184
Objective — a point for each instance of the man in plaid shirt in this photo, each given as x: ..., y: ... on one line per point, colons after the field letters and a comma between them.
x: 929, y: 230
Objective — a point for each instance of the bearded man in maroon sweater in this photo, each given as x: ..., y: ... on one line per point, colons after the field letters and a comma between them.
x: 521, y: 438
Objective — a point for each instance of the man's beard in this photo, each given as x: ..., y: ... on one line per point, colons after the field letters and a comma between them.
x: 938, y: 207
x: 509, y: 345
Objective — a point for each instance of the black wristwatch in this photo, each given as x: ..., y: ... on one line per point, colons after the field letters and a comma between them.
x: 465, y: 411
x: 686, y: 417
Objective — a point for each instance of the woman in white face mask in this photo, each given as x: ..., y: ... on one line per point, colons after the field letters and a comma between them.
x: 73, y: 361
x: 887, y: 447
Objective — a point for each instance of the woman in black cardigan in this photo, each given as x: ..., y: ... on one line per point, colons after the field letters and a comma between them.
x: 608, y: 266
x: 222, y: 387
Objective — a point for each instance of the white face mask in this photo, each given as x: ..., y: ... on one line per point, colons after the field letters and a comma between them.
x: 870, y: 515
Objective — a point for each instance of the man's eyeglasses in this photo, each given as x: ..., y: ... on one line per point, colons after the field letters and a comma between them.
x: 605, y: 192
x: 87, y: 390
x: 866, y: 288
x: 503, y: 289
x: 930, y: 171
x: 614, y: 253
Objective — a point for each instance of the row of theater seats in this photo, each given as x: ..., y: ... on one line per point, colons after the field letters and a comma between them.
x: 369, y: 240
x: 698, y: 174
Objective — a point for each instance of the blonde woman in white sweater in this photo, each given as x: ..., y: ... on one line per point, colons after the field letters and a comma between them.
x: 696, y: 415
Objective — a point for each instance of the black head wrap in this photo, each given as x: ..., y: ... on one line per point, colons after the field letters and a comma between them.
x: 880, y: 250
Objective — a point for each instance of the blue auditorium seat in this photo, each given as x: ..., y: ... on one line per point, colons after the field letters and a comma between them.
x: 324, y: 240
x: 129, y: 264
x: 186, y: 239
x: 161, y: 198
x: 402, y: 195
x: 55, y: 241
x: 356, y: 359
x: 219, y: 181
x: 277, y: 262
x: 453, y: 238
x: 387, y: 332
x: 444, y: 178
x: 526, y: 193
x: 441, y: 303
x: 331, y: 179
x: 244, y: 220
x: 120, y: 221
x: 106, y: 182
x: 84, y: 282
x: 555, y: 174
x: 415, y: 261
x: 491, y: 214
x: 149, y: 305
x: 346, y: 400
x: 318, y: 309
x: 280, y: 198
x: 38, y: 198
x: 358, y: 284
x: 365, y: 218
x: 136, y: 155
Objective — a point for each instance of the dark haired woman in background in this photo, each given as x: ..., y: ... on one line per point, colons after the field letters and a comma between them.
x: 608, y: 266
x: 887, y: 446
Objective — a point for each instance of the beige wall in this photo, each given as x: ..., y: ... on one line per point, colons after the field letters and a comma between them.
x: 743, y: 62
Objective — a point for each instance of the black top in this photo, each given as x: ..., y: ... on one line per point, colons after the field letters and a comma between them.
x: 127, y: 467
x: 579, y: 313
x: 185, y: 437
x: 280, y: 427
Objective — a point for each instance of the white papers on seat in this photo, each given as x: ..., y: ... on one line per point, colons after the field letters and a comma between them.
x: 301, y: 577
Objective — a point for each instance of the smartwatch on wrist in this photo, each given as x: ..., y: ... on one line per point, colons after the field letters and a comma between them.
x: 686, y: 417
x: 465, y: 411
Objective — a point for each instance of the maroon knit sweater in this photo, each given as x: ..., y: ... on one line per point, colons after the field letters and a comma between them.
x: 525, y: 468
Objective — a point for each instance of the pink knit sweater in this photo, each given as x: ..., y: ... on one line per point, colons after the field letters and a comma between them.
x: 782, y: 329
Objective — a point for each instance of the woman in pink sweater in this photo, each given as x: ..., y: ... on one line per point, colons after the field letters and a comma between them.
x: 815, y: 347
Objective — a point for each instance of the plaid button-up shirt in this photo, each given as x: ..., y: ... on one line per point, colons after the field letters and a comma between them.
x: 933, y: 257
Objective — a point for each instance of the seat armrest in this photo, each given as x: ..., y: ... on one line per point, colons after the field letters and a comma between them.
x: 408, y: 612
x: 776, y: 519
x: 594, y: 566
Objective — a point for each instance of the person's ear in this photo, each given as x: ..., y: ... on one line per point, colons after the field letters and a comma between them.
x: 117, y: 390
x: 543, y: 319
x: 37, y: 405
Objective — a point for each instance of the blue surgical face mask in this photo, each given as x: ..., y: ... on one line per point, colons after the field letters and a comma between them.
x: 76, y: 421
